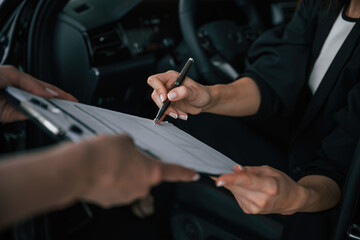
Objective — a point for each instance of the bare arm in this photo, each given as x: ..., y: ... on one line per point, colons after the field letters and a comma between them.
x: 106, y: 171
x: 240, y: 98
x: 264, y: 190
x: 323, y: 193
x: 39, y: 181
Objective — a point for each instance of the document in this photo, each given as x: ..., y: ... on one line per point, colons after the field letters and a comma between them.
x: 164, y: 141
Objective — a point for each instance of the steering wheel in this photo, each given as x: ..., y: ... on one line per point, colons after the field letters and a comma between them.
x: 219, y: 47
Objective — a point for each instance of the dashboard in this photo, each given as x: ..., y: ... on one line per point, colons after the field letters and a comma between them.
x: 122, y: 30
x: 104, y: 50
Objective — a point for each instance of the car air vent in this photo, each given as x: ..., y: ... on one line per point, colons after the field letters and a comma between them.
x: 108, y: 46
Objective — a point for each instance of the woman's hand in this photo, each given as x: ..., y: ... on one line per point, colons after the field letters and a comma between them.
x: 239, y: 98
x: 10, y: 76
x: 264, y: 190
x: 191, y: 97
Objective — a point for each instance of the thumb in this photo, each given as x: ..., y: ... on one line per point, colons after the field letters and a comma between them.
x: 8, y: 113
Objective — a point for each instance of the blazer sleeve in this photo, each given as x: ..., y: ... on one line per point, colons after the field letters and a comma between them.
x: 278, y: 61
x: 337, y: 149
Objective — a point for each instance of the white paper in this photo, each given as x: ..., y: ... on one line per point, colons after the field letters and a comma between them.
x: 164, y: 141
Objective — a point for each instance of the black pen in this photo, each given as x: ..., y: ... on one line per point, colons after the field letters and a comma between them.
x: 184, y: 72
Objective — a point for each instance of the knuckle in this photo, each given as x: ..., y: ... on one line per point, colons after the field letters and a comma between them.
x: 255, y: 210
x: 262, y: 203
x: 183, y: 91
x: 273, y: 188
x: 150, y: 80
x: 252, y: 210
x: 153, y: 95
x: 246, y: 211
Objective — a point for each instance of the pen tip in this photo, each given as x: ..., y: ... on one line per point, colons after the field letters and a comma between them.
x: 191, y: 59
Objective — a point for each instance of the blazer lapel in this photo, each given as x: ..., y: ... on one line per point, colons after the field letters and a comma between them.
x: 331, y: 75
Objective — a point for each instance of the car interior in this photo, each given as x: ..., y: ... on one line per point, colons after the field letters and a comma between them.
x: 102, y: 52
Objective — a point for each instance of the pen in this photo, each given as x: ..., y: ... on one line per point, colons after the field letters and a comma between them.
x: 177, y: 83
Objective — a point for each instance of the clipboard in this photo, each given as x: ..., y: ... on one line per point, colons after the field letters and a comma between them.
x: 66, y: 120
x: 49, y: 117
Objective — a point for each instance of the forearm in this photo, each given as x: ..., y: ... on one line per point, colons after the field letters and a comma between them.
x: 38, y: 182
x: 240, y: 98
x: 321, y: 193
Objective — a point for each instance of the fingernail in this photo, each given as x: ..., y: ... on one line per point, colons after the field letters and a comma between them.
x: 196, y: 177
x: 241, y: 168
x: 173, y: 115
x: 220, y: 184
x: 183, y: 117
x: 51, y: 91
x: 162, y: 98
x: 172, y: 95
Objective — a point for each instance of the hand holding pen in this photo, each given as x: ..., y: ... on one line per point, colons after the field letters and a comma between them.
x: 184, y: 72
x: 189, y: 98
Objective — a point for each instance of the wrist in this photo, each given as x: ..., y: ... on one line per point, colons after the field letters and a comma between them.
x: 300, y: 197
x: 303, y: 196
x: 85, y: 169
x: 75, y: 170
x: 214, y: 94
x: 322, y: 193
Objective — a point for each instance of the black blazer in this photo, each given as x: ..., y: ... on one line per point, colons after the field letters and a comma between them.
x: 324, y: 128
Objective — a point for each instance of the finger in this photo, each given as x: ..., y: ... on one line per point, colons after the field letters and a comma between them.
x: 156, y: 98
x: 179, y: 93
x: 247, y: 206
x: 170, y: 112
x: 31, y: 84
x: 40, y: 88
x: 183, y: 115
x: 262, y: 170
x: 57, y: 92
x: 242, y: 179
x: 12, y: 114
x: 9, y: 113
x: 244, y: 205
x: 255, y: 201
x: 160, y: 120
x: 238, y: 168
x: 213, y: 178
x: 174, y: 173
x: 262, y: 184
x: 157, y: 82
